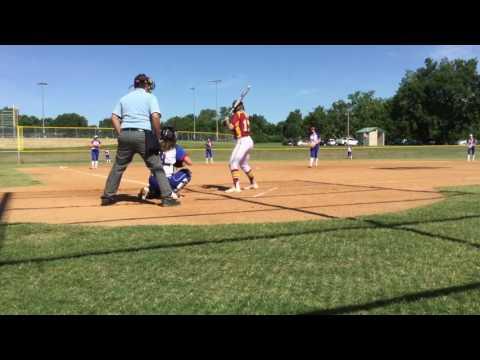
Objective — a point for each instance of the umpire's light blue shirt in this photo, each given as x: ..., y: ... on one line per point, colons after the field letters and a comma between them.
x: 135, y: 109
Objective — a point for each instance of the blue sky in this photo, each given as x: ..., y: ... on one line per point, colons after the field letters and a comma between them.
x: 89, y: 80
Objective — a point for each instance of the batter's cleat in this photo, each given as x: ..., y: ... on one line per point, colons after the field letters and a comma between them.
x: 170, y: 201
x: 233, y: 190
x: 107, y: 200
x: 251, y: 187
x: 174, y: 196
x: 143, y: 194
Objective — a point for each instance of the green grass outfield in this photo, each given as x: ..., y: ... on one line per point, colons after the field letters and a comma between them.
x: 421, y: 261
x: 262, y: 152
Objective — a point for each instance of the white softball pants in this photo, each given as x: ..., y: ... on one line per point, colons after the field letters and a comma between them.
x: 241, y: 154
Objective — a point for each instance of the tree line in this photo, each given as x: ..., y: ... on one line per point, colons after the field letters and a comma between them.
x: 437, y: 103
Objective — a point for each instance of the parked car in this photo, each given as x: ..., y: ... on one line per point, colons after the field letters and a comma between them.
x: 409, y: 142
x: 331, y: 142
x: 289, y: 142
x: 347, y: 141
x: 462, y: 142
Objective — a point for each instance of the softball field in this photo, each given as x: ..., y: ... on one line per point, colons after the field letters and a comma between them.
x: 289, y: 191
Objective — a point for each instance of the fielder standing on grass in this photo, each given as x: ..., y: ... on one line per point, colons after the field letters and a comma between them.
x: 471, y: 143
x: 314, y: 147
x: 136, y: 120
x: 240, y: 125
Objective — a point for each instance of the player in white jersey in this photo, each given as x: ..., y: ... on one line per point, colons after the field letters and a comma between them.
x: 471, y: 143
x: 314, y: 147
x: 239, y: 124
x: 95, y: 151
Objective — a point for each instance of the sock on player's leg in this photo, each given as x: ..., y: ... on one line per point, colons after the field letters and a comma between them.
x: 236, y: 179
x: 468, y: 157
x: 96, y: 164
x: 316, y: 162
x: 251, y: 177
x: 311, y: 162
x: 93, y: 165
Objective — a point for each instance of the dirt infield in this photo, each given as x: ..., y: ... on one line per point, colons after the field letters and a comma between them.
x: 289, y: 191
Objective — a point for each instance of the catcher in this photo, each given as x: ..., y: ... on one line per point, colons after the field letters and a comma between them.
x: 240, y: 125
x: 172, y: 157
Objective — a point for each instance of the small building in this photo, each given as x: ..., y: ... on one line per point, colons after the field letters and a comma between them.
x: 8, y: 121
x: 371, y: 136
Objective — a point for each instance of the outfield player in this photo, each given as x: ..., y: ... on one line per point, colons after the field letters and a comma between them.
x: 240, y: 125
x: 173, y: 156
x: 471, y: 143
x: 107, y: 156
x: 349, y: 152
x: 209, y: 151
x: 314, y: 147
x: 94, y: 150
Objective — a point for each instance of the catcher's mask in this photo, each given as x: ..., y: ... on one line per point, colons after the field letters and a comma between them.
x: 168, y: 133
x: 143, y: 81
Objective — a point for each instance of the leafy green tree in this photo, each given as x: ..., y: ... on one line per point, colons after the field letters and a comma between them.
x: 318, y: 119
x: 26, y: 120
x: 293, y: 127
x: 70, y: 119
x: 369, y: 111
x: 439, y: 101
x: 105, y: 123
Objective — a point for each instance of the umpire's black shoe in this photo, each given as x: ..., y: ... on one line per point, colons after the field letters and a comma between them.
x: 107, y: 200
x: 170, y: 202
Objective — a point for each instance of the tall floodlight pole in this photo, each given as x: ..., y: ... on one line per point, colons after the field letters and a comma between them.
x: 42, y: 85
x: 348, y: 123
x: 194, y: 99
x: 216, y: 99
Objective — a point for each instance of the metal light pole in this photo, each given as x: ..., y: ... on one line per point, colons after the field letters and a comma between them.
x: 42, y: 85
x: 348, y: 123
x: 194, y: 128
x: 216, y: 99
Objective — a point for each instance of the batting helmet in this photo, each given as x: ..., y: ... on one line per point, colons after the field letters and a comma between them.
x: 168, y: 133
x: 240, y: 104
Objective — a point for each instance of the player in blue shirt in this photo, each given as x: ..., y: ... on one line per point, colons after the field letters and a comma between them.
x: 172, y: 156
x: 209, y: 151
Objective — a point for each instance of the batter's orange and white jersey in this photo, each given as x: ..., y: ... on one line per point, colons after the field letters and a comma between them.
x: 241, y: 124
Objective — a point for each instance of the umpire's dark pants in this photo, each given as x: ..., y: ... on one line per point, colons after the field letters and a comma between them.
x: 131, y: 142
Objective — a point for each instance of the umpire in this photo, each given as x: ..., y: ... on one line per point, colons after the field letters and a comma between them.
x: 136, y: 120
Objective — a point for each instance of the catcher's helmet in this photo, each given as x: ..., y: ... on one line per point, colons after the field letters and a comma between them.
x: 168, y: 133
x: 141, y: 80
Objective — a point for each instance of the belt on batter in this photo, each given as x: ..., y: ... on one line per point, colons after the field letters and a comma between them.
x: 133, y: 129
